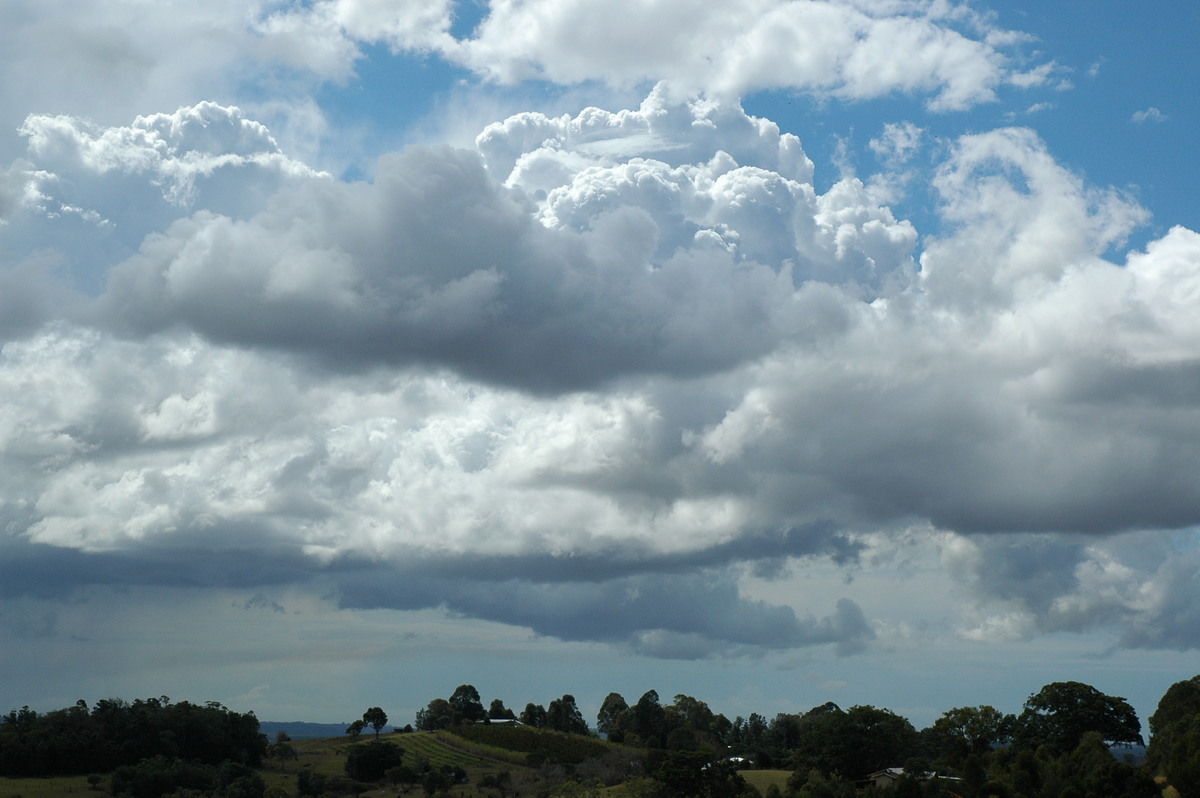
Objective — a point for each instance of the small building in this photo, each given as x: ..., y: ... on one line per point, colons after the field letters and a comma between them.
x: 887, y: 778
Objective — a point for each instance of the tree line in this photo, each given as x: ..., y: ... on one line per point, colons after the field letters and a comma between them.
x: 1069, y: 739
x: 1061, y: 745
x: 113, y: 733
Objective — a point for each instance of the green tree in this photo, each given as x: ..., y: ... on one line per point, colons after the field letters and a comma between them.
x: 695, y: 774
x: 613, y: 705
x: 692, y: 715
x: 817, y: 784
x: 1181, y: 700
x: 1091, y: 770
x: 436, y: 781
x: 376, y: 718
x: 310, y: 783
x: 963, y: 732
x: 370, y: 761
x: 356, y: 728
x: 235, y: 780
x: 649, y: 720
x: 1175, y: 737
x: 1178, y: 756
x: 403, y: 776
x: 1060, y: 714
x: 855, y: 742
x: 497, y: 711
x: 160, y: 775
x: 282, y: 749
x: 563, y: 715
x: 437, y: 715
x: 534, y: 715
x: 468, y: 708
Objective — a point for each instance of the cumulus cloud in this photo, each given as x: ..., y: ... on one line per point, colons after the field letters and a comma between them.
x: 320, y: 34
x: 853, y: 50
x: 1150, y: 114
x: 676, y: 266
x: 196, y: 154
x: 602, y: 359
x: 949, y: 52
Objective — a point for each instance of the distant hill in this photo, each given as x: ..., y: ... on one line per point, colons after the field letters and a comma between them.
x: 300, y: 730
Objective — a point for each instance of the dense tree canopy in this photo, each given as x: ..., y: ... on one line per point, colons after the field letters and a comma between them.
x: 468, y: 707
x: 1175, y: 737
x: 1060, y: 714
x: 534, y: 715
x: 613, y: 705
x: 497, y: 711
x: 114, y: 733
x: 965, y: 732
x: 563, y: 715
x: 369, y: 761
x: 439, y: 714
x: 696, y: 774
x: 855, y: 742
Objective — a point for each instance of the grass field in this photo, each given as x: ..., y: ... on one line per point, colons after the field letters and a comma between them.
x: 327, y: 756
x: 761, y: 780
x: 76, y: 786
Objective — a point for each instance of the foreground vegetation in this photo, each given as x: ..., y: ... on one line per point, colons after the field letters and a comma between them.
x: 1060, y: 746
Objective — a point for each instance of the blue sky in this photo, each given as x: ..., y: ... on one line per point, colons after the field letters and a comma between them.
x: 773, y: 354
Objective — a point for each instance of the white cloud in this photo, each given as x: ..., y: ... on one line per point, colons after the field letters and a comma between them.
x: 898, y: 142
x: 19, y: 189
x: 324, y: 36
x: 1150, y: 114
x: 854, y: 50
x: 1023, y: 220
x: 174, y: 151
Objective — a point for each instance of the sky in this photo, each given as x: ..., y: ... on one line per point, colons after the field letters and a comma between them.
x: 772, y: 352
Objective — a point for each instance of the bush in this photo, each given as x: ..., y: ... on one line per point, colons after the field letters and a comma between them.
x: 309, y: 783
x: 158, y: 776
x: 370, y: 761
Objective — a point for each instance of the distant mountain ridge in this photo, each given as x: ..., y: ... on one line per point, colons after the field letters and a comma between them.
x: 302, y: 730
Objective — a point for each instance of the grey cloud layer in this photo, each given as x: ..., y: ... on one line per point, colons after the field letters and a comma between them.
x: 627, y: 266
x: 604, y: 361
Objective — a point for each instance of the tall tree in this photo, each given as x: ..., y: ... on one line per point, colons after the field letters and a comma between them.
x: 468, y: 707
x: 497, y: 711
x: 650, y: 720
x: 855, y: 742
x: 437, y: 715
x: 563, y: 715
x: 614, y: 704
x: 534, y: 715
x: 282, y: 749
x: 691, y: 713
x: 376, y: 718
x: 1060, y: 714
x: 1175, y: 737
x: 963, y: 732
